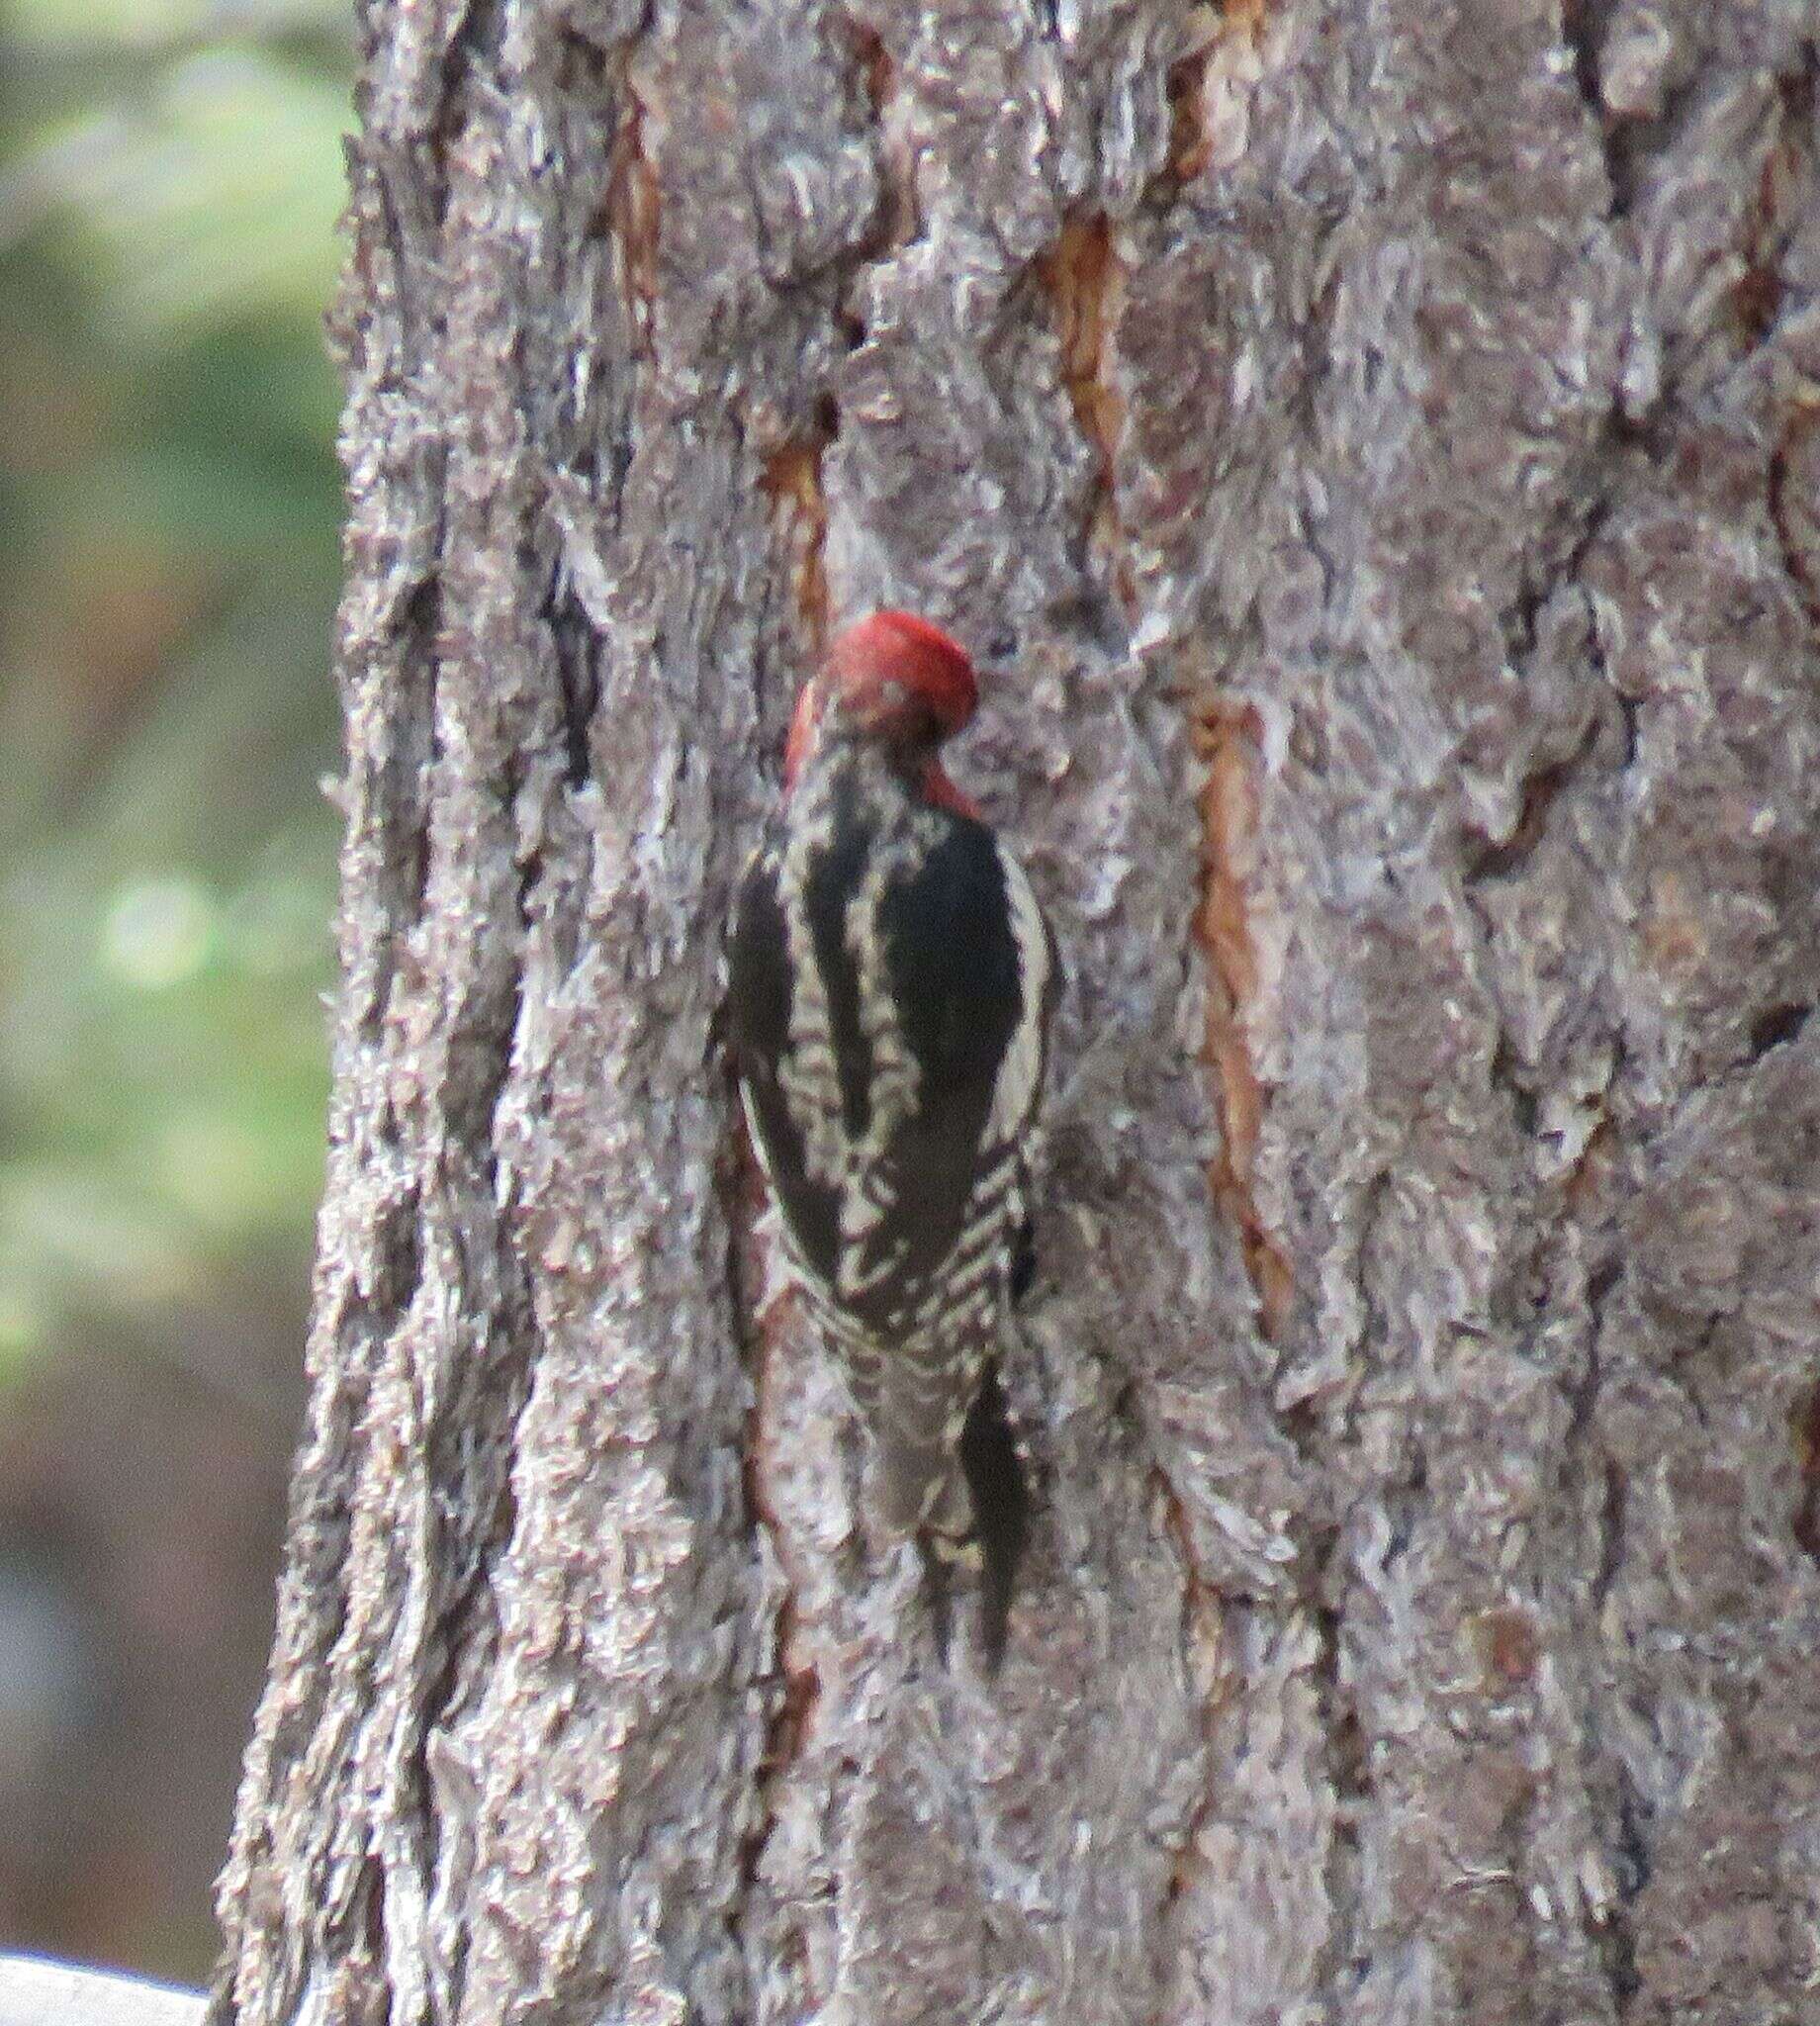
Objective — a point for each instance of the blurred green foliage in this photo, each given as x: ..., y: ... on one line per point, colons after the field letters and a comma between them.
x: 170, y: 175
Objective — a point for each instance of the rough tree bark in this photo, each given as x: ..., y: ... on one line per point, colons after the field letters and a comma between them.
x: 1372, y: 446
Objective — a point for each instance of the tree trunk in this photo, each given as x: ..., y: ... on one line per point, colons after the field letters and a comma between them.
x: 1372, y: 449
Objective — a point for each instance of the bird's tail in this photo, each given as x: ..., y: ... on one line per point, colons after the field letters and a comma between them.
x: 975, y: 1517
x: 993, y: 1464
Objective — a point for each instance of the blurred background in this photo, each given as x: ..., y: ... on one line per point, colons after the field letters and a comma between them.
x: 171, y: 176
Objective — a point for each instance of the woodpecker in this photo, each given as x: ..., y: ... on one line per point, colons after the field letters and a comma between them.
x: 892, y: 981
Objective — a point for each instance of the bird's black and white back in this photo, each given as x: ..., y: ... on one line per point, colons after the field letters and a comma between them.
x: 892, y: 981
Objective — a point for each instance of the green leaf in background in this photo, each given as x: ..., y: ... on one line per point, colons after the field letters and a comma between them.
x: 214, y: 195
x: 170, y: 175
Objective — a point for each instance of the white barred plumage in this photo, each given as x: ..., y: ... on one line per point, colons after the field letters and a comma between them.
x: 892, y: 981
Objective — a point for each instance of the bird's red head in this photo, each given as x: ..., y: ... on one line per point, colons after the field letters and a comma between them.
x: 897, y: 679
